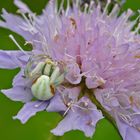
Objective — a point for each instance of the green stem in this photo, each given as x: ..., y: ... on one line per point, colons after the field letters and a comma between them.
x: 88, y: 92
x: 105, y: 112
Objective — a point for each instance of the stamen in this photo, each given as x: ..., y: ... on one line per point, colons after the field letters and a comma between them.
x: 85, y: 73
x: 28, y: 42
x: 13, y: 39
x: 135, y: 22
x: 38, y: 41
x: 32, y: 19
x: 137, y: 29
x: 91, y: 6
x: 136, y: 113
x: 56, y: 6
x: 61, y: 90
x: 24, y: 16
x: 106, y: 7
x: 61, y: 7
x: 69, y: 107
x: 85, y: 8
x: 68, y: 7
x: 73, y: 57
x: 83, y: 107
x: 114, y: 11
x: 30, y: 22
x: 126, y: 118
x: 123, y: 20
x: 44, y: 44
x: 77, y: 3
x: 98, y: 10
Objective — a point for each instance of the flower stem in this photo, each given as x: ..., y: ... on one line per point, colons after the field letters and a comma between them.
x: 105, y: 112
x: 89, y: 92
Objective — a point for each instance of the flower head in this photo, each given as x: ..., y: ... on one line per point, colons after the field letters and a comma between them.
x: 78, y: 54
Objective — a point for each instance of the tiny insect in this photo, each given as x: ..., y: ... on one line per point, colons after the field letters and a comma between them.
x: 45, y: 76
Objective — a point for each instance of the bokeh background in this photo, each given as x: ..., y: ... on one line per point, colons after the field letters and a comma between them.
x: 38, y: 127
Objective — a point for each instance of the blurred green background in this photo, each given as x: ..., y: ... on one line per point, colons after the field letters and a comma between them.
x: 38, y: 127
